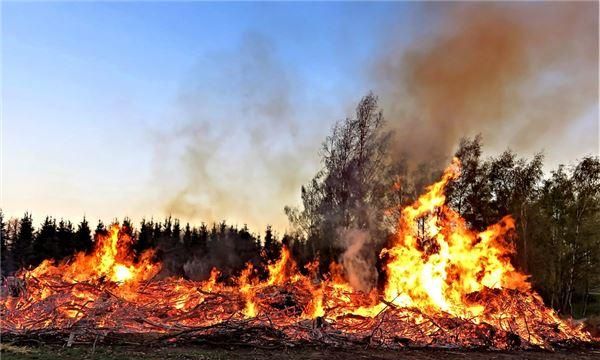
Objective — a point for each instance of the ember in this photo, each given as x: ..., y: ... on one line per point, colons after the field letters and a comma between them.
x: 446, y: 286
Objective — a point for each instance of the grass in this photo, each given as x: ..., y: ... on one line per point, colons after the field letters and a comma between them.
x: 44, y: 352
x: 107, y: 353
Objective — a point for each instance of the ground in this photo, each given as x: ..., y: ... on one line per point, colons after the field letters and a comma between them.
x: 45, y: 352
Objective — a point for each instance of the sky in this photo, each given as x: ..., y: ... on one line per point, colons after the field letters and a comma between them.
x: 206, y: 111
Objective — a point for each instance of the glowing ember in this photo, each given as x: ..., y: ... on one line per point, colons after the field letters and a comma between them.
x: 121, y: 274
x: 446, y: 285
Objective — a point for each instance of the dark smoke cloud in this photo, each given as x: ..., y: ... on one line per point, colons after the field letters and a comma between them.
x: 522, y: 74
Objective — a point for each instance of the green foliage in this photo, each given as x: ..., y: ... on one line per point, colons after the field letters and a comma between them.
x: 566, y: 236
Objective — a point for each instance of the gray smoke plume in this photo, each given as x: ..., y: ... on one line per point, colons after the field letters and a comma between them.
x: 358, y: 258
x: 238, y: 140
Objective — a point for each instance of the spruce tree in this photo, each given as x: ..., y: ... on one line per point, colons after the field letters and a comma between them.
x: 4, y: 247
x: 46, y: 244
x: 145, y: 237
x: 83, y: 237
x: 22, y: 248
x: 66, y: 239
x: 100, y: 230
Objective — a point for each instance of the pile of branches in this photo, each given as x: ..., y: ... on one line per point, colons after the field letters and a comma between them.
x: 181, y: 311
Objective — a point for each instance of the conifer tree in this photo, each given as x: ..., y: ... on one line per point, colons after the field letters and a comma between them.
x: 23, y: 245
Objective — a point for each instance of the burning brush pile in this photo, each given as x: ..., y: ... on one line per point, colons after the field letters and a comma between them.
x: 446, y: 286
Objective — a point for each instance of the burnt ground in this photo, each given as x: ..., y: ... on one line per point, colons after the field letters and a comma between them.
x: 45, y: 352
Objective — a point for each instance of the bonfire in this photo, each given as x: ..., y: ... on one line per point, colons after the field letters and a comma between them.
x: 446, y: 286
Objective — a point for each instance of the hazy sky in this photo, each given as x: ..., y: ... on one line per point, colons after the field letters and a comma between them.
x: 206, y: 111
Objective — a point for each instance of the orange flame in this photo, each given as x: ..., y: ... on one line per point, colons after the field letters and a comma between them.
x: 248, y: 291
x: 111, y: 260
x: 279, y: 270
x: 437, y: 260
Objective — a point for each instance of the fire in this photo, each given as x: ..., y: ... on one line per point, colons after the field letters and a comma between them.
x: 445, y: 285
x: 315, y: 308
x: 247, y: 291
x: 111, y: 260
x: 121, y: 274
x: 437, y: 260
x: 278, y: 271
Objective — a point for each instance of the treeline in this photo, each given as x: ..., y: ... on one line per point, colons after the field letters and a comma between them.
x: 23, y: 246
x: 186, y: 251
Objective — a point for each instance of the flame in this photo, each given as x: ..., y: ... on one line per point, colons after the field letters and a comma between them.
x: 247, y: 290
x: 212, y: 280
x: 436, y: 268
x: 315, y: 308
x: 111, y: 260
x: 278, y: 271
x: 121, y: 273
x: 436, y: 260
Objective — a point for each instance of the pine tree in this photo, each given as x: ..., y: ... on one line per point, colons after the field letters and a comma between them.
x: 12, y: 230
x: 83, y: 237
x: 4, y: 247
x: 22, y: 248
x: 156, y: 233
x: 45, y: 244
x: 187, y: 236
x: 100, y: 231
x: 203, y: 237
x: 66, y: 239
x: 195, y: 241
x: 212, y: 238
x: 167, y: 228
x: 176, y: 234
x: 145, y: 237
x: 246, y: 245
x: 271, y: 246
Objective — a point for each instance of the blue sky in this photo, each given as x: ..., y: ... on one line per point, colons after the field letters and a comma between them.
x: 207, y: 111
x: 88, y: 87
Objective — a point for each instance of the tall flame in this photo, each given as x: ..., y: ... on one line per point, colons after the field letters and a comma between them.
x: 436, y: 260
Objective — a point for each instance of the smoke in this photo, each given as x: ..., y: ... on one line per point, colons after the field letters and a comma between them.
x: 524, y: 75
x: 238, y: 143
x: 358, y: 258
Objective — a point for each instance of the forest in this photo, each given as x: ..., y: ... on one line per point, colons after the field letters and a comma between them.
x: 349, y: 212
